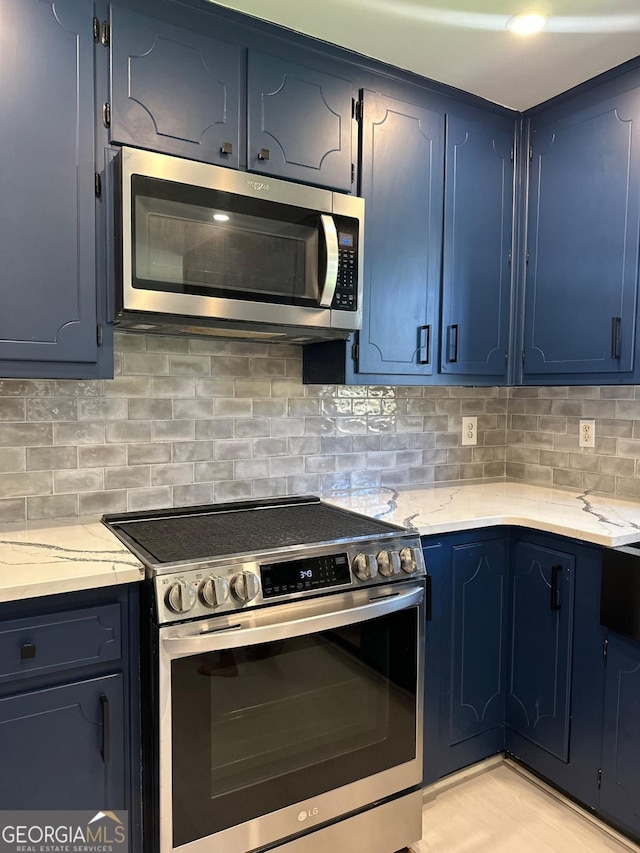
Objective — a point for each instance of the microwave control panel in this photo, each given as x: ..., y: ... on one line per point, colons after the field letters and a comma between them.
x: 346, y: 295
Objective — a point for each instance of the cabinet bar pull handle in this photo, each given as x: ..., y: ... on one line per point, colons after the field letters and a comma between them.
x: 554, y: 600
x: 615, y: 336
x: 106, y: 727
x: 428, y: 600
x: 263, y: 154
x: 453, y: 343
x: 424, y: 344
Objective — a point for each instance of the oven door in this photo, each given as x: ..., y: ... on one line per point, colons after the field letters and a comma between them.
x: 277, y: 721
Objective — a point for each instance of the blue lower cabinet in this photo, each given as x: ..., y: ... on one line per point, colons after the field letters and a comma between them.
x: 620, y: 794
x: 556, y: 667
x: 63, y: 747
x: 69, y: 704
x: 465, y: 644
x: 473, y: 642
x: 514, y: 660
x: 538, y: 696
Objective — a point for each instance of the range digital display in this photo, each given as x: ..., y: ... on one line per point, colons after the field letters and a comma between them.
x: 303, y: 575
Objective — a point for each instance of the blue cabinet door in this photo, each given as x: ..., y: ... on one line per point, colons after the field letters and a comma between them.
x: 48, y: 306
x: 476, y: 274
x: 541, y: 646
x: 174, y: 90
x: 620, y: 793
x: 583, y: 240
x: 402, y: 183
x: 473, y: 654
x: 57, y: 752
x: 537, y: 745
x: 299, y: 122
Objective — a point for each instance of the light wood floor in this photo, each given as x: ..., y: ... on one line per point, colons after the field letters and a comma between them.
x: 501, y: 811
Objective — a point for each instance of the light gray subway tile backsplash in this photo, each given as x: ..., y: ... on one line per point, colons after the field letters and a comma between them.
x: 103, y: 456
x: 190, y: 421
x: 14, y: 509
x: 50, y: 458
x: 13, y: 459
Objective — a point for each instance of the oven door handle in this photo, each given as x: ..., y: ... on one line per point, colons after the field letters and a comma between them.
x: 236, y: 635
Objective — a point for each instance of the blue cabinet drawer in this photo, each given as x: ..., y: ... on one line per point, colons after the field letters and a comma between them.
x: 63, y: 641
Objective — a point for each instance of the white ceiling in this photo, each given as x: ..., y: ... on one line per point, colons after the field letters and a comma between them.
x: 464, y: 42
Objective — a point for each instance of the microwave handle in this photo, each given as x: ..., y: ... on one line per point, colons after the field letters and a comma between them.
x: 328, y: 286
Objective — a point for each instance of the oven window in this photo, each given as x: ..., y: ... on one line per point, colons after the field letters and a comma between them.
x: 259, y: 728
x: 210, y: 243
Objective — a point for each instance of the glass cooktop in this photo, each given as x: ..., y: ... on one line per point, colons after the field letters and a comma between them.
x: 215, y: 530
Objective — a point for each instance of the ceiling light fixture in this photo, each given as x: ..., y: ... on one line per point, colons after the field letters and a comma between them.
x: 220, y: 217
x: 527, y: 23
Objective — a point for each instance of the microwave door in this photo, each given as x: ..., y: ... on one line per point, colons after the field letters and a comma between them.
x: 330, y: 236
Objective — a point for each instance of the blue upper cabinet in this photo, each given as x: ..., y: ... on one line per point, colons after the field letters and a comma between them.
x: 538, y: 703
x: 299, y: 122
x: 584, y: 208
x: 174, y: 90
x: 478, y: 205
x: 402, y: 184
x: 48, y: 302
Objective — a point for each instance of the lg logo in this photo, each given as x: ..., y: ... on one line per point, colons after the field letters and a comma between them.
x: 302, y: 816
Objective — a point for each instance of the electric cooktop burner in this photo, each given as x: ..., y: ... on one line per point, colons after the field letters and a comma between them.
x: 216, y: 530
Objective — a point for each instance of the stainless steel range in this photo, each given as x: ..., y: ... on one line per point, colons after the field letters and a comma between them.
x: 284, y: 678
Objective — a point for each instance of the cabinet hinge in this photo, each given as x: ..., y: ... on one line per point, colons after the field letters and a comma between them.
x: 509, y: 256
x: 96, y: 30
x: 106, y: 114
x: 105, y: 34
x: 531, y: 152
x: 357, y: 110
x: 599, y: 779
x: 98, y: 185
x: 527, y: 256
x: 99, y: 335
x: 353, y: 173
x: 605, y: 649
x: 512, y: 154
x: 506, y: 358
x: 523, y: 356
x: 355, y: 351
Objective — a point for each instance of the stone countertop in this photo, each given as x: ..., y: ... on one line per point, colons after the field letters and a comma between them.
x: 63, y: 556
x: 443, y: 509
x: 47, y: 558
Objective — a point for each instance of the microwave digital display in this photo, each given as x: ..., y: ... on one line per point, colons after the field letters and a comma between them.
x: 345, y: 239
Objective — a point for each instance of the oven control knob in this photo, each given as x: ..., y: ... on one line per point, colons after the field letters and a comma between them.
x: 408, y: 561
x: 388, y: 563
x: 181, y: 596
x: 365, y: 566
x: 214, y: 591
x: 245, y: 586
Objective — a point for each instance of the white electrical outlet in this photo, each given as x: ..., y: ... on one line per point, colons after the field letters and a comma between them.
x: 587, y: 434
x: 469, y: 430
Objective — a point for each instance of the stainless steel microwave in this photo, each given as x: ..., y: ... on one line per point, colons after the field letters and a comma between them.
x: 203, y: 250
